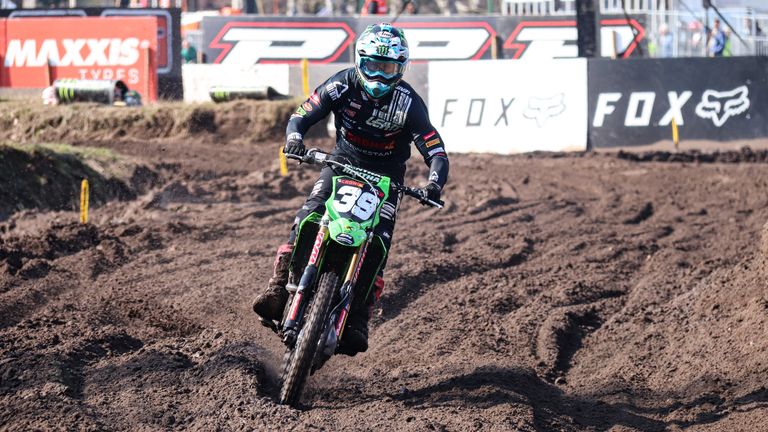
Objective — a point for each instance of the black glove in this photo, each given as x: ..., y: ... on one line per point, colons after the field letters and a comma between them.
x: 295, y: 146
x: 432, y: 191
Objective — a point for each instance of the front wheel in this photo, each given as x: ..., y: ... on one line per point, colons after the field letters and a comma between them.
x: 298, y: 361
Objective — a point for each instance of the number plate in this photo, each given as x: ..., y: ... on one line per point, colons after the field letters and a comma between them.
x: 355, y: 200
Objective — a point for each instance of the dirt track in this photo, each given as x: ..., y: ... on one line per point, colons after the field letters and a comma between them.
x: 552, y: 293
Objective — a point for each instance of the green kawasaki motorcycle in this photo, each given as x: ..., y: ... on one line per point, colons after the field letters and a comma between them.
x: 332, y: 251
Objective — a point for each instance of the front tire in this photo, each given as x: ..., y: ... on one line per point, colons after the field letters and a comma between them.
x: 298, y: 361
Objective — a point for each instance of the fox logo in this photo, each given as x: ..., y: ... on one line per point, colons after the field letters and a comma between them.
x: 542, y: 109
x: 720, y: 106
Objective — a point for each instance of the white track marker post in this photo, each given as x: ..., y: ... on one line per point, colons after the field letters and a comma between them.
x: 305, y: 77
x: 84, y: 201
x: 675, y: 135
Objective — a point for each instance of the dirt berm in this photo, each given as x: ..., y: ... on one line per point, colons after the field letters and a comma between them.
x: 583, y: 292
x: 25, y: 121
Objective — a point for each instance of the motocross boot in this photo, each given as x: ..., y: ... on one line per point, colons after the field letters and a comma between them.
x: 355, y: 337
x: 269, y: 304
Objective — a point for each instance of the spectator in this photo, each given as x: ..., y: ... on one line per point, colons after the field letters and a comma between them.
x: 188, y: 52
x: 374, y: 7
x: 410, y: 8
x: 665, y: 41
x: 727, y: 51
x: 718, y: 39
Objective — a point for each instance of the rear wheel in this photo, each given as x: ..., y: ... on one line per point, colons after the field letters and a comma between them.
x: 298, y: 361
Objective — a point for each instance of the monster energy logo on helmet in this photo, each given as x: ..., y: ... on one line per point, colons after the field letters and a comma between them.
x: 381, y: 53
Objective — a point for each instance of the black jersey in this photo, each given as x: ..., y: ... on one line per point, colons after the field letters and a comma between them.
x: 376, y: 133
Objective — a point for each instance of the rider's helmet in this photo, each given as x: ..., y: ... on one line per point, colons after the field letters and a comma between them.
x: 381, y: 53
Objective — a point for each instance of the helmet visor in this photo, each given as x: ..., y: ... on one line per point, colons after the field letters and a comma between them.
x: 378, y: 68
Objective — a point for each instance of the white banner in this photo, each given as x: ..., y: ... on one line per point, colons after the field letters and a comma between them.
x: 199, y: 78
x: 510, y: 106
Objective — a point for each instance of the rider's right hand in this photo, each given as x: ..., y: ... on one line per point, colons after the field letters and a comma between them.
x: 294, y: 146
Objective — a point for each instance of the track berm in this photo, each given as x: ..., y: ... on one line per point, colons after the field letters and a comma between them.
x: 569, y: 292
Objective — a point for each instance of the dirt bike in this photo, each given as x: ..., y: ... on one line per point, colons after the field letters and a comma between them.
x: 332, y: 251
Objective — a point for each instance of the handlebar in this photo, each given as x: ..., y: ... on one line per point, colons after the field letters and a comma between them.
x: 317, y: 156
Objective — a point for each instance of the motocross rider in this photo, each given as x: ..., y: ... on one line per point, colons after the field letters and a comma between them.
x: 377, y: 117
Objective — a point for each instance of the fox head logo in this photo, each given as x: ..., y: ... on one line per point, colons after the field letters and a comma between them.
x: 541, y: 109
x: 720, y: 106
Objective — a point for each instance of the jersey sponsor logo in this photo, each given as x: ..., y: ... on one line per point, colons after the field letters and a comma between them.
x: 433, y: 142
x: 436, y: 151
x: 557, y: 39
x: 354, y: 104
x: 335, y: 89
x: 391, y: 117
x: 720, y: 106
x: 369, y: 143
x: 541, y: 109
x: 247, y: 43
x: 307, y: 106
x: 717, y: 106
x: 448, y: 40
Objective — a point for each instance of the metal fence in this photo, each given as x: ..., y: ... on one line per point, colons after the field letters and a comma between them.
x: 671, y: 29
x: 568, y: 7
x: 685, y: 34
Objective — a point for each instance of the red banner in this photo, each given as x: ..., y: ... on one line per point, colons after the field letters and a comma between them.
x: 37, y: 51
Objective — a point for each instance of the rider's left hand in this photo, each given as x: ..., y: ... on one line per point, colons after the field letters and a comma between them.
x: 432, y: 191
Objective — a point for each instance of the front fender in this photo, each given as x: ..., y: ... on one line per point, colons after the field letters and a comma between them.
x: 346, y: 232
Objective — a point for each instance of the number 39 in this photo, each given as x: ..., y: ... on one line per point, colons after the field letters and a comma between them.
x: 350, y: 199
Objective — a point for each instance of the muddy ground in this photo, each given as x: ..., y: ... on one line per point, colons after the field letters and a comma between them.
x: 553, y: 293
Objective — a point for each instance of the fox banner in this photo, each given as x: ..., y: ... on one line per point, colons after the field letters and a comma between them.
x: 633, y: 102
x: 37, y: 51
x: 543, y: 109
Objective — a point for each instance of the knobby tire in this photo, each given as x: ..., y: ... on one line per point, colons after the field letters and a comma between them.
x: 298, y: 362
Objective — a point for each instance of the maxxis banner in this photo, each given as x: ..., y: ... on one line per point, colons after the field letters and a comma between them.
x: 37, y: 51
x: 634, y: 102
x: 168, y: 59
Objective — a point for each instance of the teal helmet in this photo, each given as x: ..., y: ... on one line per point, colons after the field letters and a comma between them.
x: 381, y: 53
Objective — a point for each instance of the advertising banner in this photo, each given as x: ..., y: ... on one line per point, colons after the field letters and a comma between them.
x: 38, y: 51
x: 168, y: 59
x: 633, y: 102
x: 510, y: 106
x: 548, y: 38
x: 247, y: 40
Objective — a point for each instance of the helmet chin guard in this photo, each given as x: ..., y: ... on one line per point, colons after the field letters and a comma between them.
x: 381, y: 54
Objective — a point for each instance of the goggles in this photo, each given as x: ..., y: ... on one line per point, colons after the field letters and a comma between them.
x: 379, y: 68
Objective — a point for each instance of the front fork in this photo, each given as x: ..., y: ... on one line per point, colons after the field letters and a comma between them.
x: 308, y: 279
x: 298, y: 305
